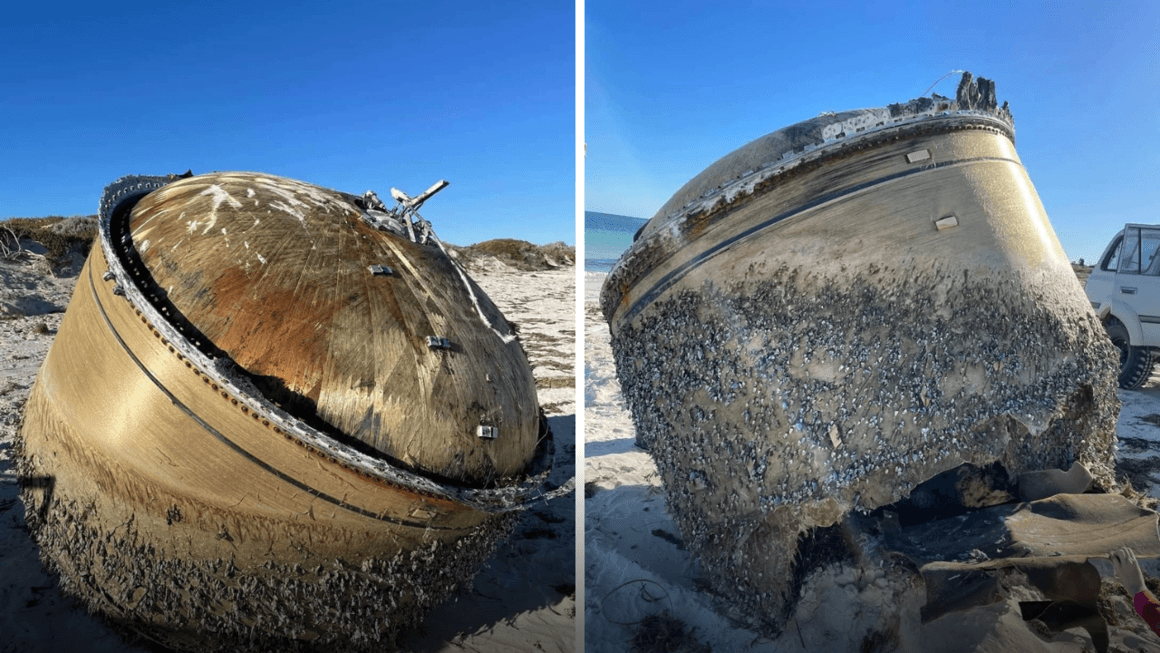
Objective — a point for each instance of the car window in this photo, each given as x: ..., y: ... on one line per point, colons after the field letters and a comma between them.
x: 1112, y: 260
x: 1149, y: 248
x: 1130, y: 253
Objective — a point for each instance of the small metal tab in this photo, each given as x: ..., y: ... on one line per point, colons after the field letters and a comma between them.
x: 380, y: 270
x: 437, y: 342
x: 423, y: 513
x: 118, y: 290
x: 946, y: 223
x: 487, y: 432
x: 108, y: 275
x: 916, y: 156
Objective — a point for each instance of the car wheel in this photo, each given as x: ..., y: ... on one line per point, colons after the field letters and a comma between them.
x: 1135, y: 362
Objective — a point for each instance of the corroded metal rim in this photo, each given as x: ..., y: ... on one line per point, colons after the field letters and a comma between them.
x: 696, y: 218
x: 116, y: 203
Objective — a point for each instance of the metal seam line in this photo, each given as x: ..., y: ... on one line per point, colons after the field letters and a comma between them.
x: 231, y: 444
x: 675, y: 275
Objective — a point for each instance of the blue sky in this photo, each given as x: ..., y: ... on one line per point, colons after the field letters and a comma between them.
x: 672, y: 86
x: 348, y: 95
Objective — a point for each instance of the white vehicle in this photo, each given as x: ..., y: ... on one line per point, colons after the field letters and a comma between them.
x: 1124, y: 289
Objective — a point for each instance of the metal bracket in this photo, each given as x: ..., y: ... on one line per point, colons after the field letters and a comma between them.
x: 438, y: 342
x: 403, y: 218
x: 946, y: 223
x: 108, y: 275
x: 380, y: 270
x: 487, y: 432
x: 916, y: 156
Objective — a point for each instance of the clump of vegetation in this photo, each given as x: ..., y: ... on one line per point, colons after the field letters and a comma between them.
x: 520, y: 254
x: 58, y: 235
x: 664, y: 633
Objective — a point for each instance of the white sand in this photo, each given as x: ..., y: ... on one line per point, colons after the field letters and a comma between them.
x: 634, y: 566
x: 523, y: 600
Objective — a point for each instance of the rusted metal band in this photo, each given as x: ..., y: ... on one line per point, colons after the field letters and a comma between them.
x: 680, y: 271
x: 235, y: 446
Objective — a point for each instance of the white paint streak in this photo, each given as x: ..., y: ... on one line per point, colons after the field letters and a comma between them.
x: 220, y: 195
x: 262, y: 259
x: 292, y: 211
x: 293, y: 191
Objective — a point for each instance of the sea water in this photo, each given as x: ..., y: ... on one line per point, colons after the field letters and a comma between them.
x: 606, y: 236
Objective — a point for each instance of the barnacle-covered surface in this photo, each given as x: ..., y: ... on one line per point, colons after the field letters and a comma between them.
x: 175, y: 492
x: 108, y: 555
x: 811, y: 344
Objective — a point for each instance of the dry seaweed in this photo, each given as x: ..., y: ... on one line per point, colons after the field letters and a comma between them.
x: 664, y: 633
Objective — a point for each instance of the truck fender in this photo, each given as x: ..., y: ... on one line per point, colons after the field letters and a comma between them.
x: 1103, y: 312
x: 1124, y: 313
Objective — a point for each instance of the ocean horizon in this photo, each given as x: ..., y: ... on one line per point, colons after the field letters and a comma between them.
x: 606, y: 237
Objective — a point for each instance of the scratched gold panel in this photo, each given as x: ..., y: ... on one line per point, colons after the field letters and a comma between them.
x: 146, y: 450
x: 274, y: 273
x: 968, y: 171
x: 245, y: 428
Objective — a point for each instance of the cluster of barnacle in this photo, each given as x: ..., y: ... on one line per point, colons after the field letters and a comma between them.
x: 851, y: 392
x: 193, y: 604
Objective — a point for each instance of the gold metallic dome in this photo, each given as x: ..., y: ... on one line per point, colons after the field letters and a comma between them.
x: 333, y: 319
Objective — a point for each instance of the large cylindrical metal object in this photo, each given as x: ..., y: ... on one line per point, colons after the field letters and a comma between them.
x: 838, y: 312
x: 268, y: 418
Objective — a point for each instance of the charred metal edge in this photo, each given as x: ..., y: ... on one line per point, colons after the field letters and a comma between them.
x: 671, y: 233
x: 235, y: 446
x: 118, y: 199
x: 680, y: 271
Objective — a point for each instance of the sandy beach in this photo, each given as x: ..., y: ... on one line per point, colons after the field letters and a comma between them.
x: 636, y: 565
x: 523, y: 598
